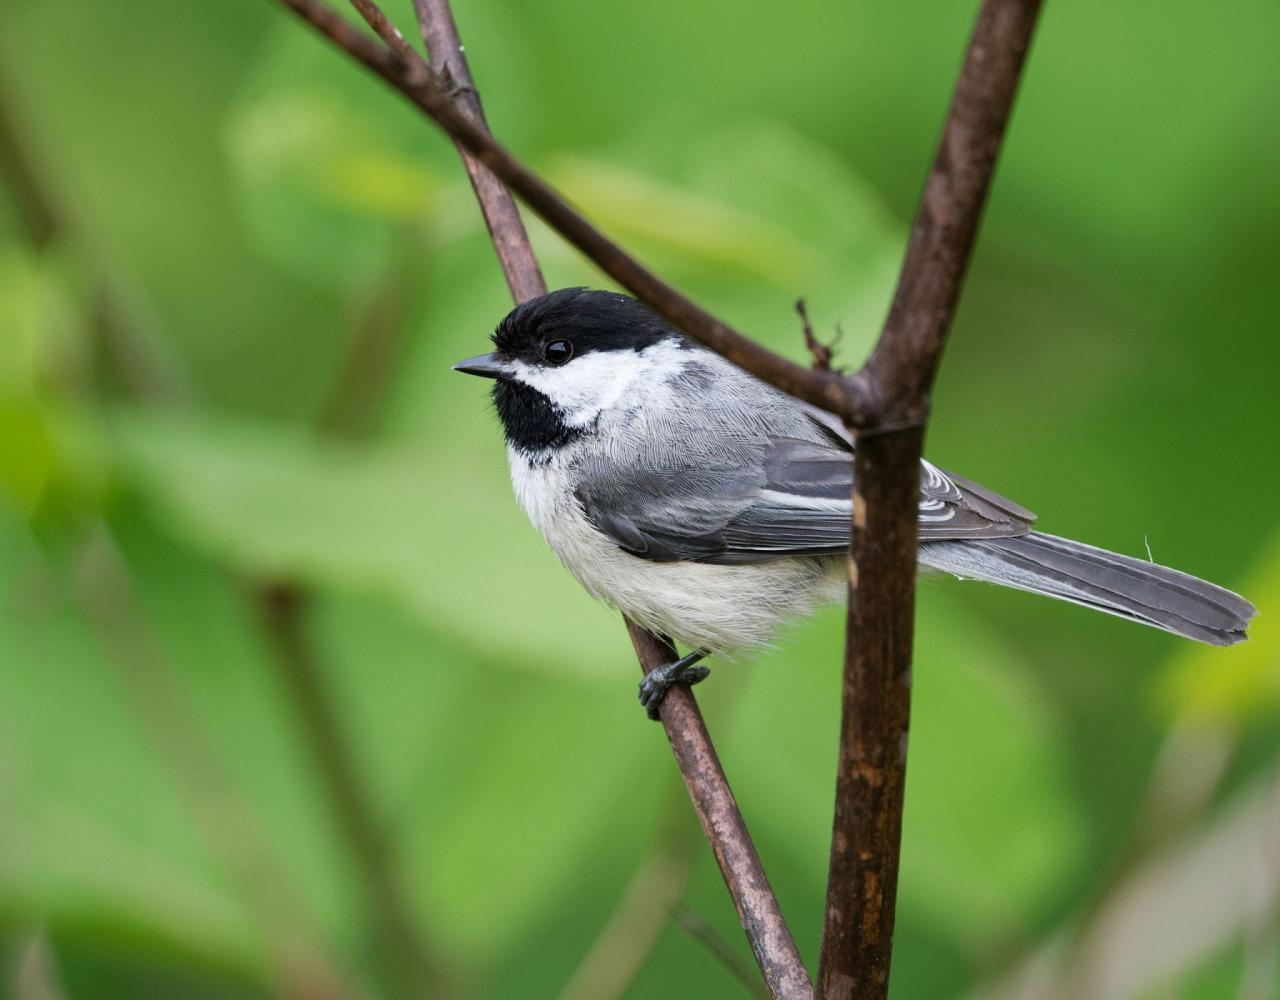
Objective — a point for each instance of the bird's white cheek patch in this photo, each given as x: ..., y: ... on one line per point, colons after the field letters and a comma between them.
x: 593, y: 383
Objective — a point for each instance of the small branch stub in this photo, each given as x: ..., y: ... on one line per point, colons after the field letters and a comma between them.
x: 820, y: 352
x: 862, y: 881
x: 885, y: 404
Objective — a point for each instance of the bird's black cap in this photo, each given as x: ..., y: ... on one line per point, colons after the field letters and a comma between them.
x: 591, y: 320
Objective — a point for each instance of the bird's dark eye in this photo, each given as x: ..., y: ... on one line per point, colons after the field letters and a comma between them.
x: 557, y: 352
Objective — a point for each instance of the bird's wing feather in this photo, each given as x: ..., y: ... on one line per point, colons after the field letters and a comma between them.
x: 781, y: 496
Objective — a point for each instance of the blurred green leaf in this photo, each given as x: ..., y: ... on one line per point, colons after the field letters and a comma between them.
x: 782, y: 218
x: 990, y: 830
x: 994, y: 829
x: 92, y: 827
x: 1240, y: 685
x: 1114, y: 348
x: 283, y: 503
x: 321, y: 181
x: 52, y: 465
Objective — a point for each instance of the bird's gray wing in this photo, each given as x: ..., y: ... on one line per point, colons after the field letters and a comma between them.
x: 783, y: 496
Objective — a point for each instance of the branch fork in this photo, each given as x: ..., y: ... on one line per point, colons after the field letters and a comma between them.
x: 885, y: 404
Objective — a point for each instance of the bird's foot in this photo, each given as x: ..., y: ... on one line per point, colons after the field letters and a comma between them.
x: 656, y: 683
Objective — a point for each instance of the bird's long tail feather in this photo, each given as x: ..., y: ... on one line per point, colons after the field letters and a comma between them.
x: 1119, y: 585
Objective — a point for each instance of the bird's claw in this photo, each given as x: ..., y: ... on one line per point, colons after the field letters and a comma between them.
x: 657, y: 682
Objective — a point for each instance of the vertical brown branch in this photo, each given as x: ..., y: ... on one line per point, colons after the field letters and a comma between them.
x: 886, y: 404
x: 862, y: 880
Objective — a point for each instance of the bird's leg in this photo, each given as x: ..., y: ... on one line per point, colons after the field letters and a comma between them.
x: 683, y: 671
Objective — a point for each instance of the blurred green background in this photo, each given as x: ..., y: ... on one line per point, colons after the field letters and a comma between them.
x: 294, y: 702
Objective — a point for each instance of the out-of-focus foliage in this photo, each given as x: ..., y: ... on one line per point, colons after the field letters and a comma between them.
x: 247, y: 203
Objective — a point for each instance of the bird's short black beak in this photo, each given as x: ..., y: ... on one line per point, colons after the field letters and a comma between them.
x: 484, y: 365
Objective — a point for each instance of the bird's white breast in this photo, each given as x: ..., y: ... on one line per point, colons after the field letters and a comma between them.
x: 718, y: 608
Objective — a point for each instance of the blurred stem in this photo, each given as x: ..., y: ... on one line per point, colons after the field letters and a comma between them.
x: 692, y: 924
x: 32, y: 974
x: 651, y: 900
x: 222, y: 816
x: 1188, y: 770
x: 32, y: 199
x: 283, y: 607
x: 148, y: 375
x: 632, y: 931
x: 125, y: 341
x: 364, y: 376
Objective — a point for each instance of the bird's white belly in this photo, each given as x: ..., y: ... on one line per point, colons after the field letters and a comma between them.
x: 717, y: 608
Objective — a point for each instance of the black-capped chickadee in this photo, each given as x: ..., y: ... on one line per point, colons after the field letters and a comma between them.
x: 711, y: 508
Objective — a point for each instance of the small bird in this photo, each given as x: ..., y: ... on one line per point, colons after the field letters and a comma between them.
x: 712, y: 508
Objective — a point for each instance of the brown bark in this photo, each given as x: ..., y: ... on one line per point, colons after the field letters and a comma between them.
x: 885, y: 404
x: 862, y: 881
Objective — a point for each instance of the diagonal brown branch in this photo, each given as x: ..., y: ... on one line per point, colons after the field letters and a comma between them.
x: 886, y: 404
x: 506, y: 228
x: 713, y: 801
x: 862, y: 881
x: 849, y: 397
x: 691, y: 743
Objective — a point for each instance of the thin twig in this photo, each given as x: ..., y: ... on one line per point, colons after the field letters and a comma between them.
x: 695, y: 754
x: 849, y: 397
x: 223, y: 818
x: 283, y: 607
x: 389, y: 33
x: 820, y: 352
x: 506, y: 228
x: 627, y: 939
x: 692, y: 924
x: 867, y: 828
x: 758, y: 910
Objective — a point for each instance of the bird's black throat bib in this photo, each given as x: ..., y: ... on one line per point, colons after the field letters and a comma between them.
x: 529, y: 419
